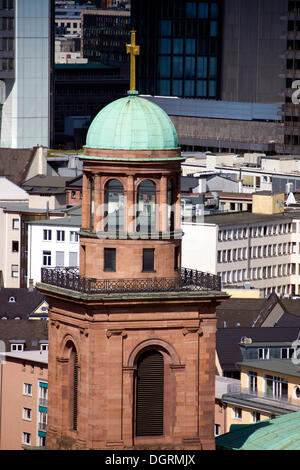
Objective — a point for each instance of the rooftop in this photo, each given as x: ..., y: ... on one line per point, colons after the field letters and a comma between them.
x: 279, y: 366
x: 69, y: 221
x: 21, y: 302
x: 228, y: 342
x: 246, y: 218
x: 281, y: 433
x: 36, y: 356
x: 15, y: 163
x: 46, y: 184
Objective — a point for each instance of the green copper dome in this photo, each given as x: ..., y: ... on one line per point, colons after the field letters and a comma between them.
x: 132, y: 123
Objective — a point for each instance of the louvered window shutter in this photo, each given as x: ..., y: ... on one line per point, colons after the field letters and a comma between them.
x: 150, y: 394
x: 75, y: 390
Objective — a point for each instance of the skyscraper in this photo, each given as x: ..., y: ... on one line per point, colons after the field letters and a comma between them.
x: 230, y: 63
x: 181, y: 44
x: 26, y: 32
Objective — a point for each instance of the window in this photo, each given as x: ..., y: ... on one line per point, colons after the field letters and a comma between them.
x: 73, y: 236
x: 15, y: 224
x: 47, y: 235
x: 146, y: 213
x: 114, y: 206
x: 263, y: 353
x: 27, y: 389
x: 8, y: 4
x: 109, y: 259
x: 15, y: 246
x: 46, y: 258
x: 44, y: 347
x: 252, y: 382
x: 150, y: 394
x: 217, y: 429
x: 296, y: 392
x: 287, y: 353
x: 26, y: 438
x: 276, y: 387
x: 17, y: 347
x: 14, y: 270
x: 60, y: 235
x: 237, y: 412
x: 148, y: 259
x: 43, y: 393
x: 255, y: 416
x: 170, y: 202
x: 27, y: 413
x: 41, y: 441
x: 72, y: 258
x: 42, y: 423
x: 60, y: 259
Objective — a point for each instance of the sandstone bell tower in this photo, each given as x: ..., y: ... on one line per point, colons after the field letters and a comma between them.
x: 132, y: 333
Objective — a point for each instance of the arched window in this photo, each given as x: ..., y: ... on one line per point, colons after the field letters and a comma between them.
x: 170, y: 202
x: 146, y: 207
x: 73, y: 385
x: 150, y: 394
x: 114, y: 206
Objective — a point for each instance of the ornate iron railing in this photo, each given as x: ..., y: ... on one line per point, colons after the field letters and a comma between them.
x: 189, y: 280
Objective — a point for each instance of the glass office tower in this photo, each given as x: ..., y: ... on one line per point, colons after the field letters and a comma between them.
x: 180, y: 47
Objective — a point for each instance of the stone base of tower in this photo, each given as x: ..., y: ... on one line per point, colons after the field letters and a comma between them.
x: 108, y: 352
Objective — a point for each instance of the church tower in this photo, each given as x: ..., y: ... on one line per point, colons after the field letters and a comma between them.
x: 132, y: 334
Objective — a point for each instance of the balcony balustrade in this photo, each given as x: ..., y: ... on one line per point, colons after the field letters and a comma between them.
x: 189, y: 280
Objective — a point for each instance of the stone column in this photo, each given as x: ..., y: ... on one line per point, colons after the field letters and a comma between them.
x: 130, y: 208
x: 163, y: 204
x: 128, y: 399
x: 114, y: 388
x: 177, y: 204
x: 86, y: 201
x: 207, y: 382
x: 191, y: 348
x: 97, y: 203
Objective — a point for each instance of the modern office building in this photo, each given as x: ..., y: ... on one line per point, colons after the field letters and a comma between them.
x: 105, y: 34
x: 230, y: 64
x: 258, y: 249
x: 26, y: 56
x: 81, y: 90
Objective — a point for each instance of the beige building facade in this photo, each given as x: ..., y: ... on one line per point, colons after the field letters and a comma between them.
x: 23, y: 400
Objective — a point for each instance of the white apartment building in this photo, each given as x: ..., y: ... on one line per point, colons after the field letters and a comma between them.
x: 260, y: 249
x: 52, y: 243
x: 17, y: 208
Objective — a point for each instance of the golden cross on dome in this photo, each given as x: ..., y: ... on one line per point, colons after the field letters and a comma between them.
x: 133, y: 50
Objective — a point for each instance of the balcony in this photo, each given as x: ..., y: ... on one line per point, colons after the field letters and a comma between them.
x: 240, y: 395
x: 42, y: 427
x: 43, y: 402
x: 189, y: 280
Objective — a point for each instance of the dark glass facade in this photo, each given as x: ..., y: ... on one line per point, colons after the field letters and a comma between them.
x: 7, y: 32
x: 105, y: 35
x: 180, y: 47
